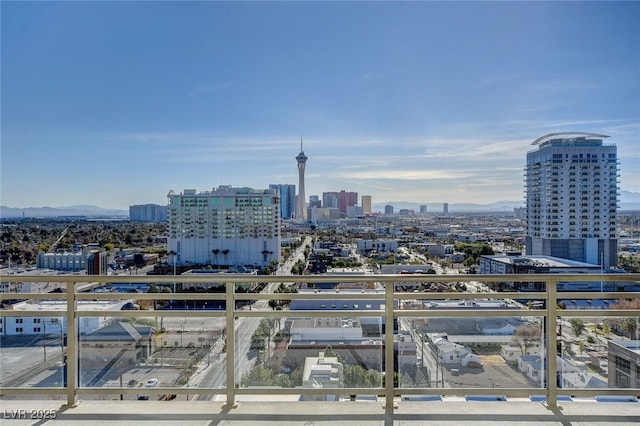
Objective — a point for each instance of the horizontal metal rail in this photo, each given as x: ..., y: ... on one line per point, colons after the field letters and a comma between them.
x: 393, y: 308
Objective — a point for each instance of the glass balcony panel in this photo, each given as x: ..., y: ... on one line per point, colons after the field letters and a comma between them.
x: 34, y: 352
x: 143, y: 353
x: 305, y: 352
x: 470, y: 352
x: 598, y: 352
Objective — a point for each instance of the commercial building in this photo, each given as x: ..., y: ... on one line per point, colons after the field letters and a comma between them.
x: 341, y: 200
x: 379, y: 246
x: 94, y: 262
x: 148, y: 213
x: 538, y: 264
x: 572, y: 197
x: 624, y: 363
x: 516, y: 264
x: 287, y: 195
x: 366, y: 203
x: 225, y: 227
x: 354, y: 212
x: 314, y: 201
x: 65, y: 261
x: 317, y: 214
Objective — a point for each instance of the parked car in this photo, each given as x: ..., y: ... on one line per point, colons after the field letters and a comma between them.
x: 151, y: 383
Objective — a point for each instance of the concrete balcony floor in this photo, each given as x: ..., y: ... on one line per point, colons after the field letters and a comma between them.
x: 256, y: 412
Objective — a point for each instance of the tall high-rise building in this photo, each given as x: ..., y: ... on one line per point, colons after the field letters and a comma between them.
x: 366, y: 203
x: 148, y: 213
x: 423, y: 209
x: 301, y: 211
x: 340, y: 200
x: 445, y: 208
x: 287, y: 199
x: 572, y: 198
x: 225, y: 227
x: 388, y: 209
x: 314, y: 201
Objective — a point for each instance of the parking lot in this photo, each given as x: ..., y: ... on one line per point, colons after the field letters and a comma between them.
x: 495, y: 372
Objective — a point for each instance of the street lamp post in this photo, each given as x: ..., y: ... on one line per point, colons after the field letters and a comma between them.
x: 174, y: 255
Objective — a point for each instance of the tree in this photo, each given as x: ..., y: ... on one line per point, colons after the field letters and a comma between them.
x: 225, y: 253
x: 153, y: 288
x: 577, y: 325
x: 356, y: 376
x: 263, y: 376
x: 526, y: 336
x: 628, y: 325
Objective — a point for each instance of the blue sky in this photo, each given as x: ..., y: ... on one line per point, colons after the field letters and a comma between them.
x: 116, y: 103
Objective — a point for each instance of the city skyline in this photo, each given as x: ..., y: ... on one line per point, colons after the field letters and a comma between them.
x: 117, y: 103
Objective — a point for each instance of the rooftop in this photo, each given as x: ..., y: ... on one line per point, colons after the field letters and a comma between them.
x: 540, y: 260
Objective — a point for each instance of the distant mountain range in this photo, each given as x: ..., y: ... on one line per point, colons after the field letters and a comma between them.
x: 50, y: 212
x: 628, y: 201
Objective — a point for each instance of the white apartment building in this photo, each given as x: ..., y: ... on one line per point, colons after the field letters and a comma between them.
x: 42, y: 286
x: 56, y: 323
x: 66, y: 261
x: 225, y: 227
x: 148, y: 213
x: 572, y: 196
x: 380, y: 246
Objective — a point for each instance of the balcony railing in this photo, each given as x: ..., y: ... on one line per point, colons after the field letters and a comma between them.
x: 413, y: 315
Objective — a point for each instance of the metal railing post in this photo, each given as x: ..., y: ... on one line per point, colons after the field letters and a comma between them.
x: 72, y: 346
x: 552, y: 365
x: 230, y: 345
x: 388, y: 346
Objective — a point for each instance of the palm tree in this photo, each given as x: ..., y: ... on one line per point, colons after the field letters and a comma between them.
x: 225, y: 252
x: 215, y: 255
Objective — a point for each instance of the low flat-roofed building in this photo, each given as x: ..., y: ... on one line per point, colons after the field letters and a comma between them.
x: 322, y: 372
x: 540, y: 264
x: 473, y: 304
x: 56, y: 323
x: 475, y: 326
x: 534, y: 264
x: 380, y: 246
x: 327, y: 329
x: 65, y: 261
x: 41, y: 286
